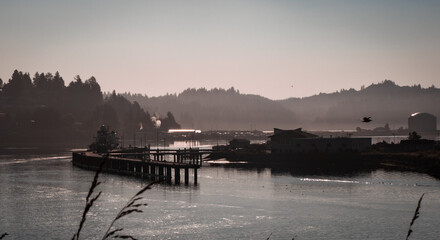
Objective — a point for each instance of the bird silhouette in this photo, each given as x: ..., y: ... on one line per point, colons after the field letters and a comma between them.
x: 366, y: 119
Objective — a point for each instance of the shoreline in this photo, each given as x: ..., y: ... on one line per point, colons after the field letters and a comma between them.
x: 427, y: 162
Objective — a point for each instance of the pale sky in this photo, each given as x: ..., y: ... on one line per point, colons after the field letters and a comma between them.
x: 277, y: 49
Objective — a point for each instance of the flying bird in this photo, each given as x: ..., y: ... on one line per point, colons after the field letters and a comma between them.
x: 366, y: 119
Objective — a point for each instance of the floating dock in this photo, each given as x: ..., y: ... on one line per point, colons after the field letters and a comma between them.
x: 166, y: 164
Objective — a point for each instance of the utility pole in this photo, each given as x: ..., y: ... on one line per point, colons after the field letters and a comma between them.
x: 157, y: 139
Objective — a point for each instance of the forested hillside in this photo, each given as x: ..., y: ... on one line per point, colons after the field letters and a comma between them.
x: 385, y: 102
x: 219, y: 109
x: 214, y: 109
x: 43, y: 110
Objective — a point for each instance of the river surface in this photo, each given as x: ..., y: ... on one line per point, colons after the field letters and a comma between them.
x: 42, y: 196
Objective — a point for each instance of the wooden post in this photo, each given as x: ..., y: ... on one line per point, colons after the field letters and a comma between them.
x: 177, y: 175
x: 161, y: 171
x: 195, y: 176
x: 168, y: 174
x: 186, y: 175
x: 156, y: 170
x: 151, y: 172
x: 139, y: 169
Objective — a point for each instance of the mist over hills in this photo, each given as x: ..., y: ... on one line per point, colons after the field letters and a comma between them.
x: 214, y: 109
x: 218, y: 109
x: 385, y: 102
x: 42, y: 109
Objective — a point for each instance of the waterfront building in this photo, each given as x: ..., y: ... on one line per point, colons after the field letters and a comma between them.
x: 239, y: 143
x: 298, y: 141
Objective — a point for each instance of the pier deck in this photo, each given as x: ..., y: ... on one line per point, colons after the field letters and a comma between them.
x: 154, y: 164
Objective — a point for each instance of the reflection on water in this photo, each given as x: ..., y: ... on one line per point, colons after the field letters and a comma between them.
x: 328, y: 180
x: 42, y: 197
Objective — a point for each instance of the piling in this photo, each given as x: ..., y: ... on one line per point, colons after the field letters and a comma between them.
x: 177, y: 175
x: 169, y: 175
x: 186, y: 175
x: 195, y: 176
x: 161, y: 171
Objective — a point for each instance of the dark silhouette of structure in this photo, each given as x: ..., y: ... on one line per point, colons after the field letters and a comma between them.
x: 422, y: 123
x: 239, y: 143
x: 298, y: 141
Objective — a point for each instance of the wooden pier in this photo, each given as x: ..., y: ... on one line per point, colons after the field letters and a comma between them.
x: 153, y: 164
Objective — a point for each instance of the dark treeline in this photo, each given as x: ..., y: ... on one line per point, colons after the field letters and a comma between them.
x: 41, y: 109
x: 387, y: 104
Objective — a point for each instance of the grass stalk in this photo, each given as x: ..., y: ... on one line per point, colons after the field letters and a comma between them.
x: 269, y: 236
x: 416, y: 215
x: 132, y: 206
x: 89, y: 199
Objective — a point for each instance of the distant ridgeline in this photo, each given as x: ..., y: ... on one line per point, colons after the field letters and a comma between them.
x: 220, y: 109
x: 42, y: 110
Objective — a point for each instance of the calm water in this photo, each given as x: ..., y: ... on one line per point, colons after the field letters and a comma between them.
x: 42, y: 197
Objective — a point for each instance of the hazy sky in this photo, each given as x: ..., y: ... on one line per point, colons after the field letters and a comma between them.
x: 277, y: 49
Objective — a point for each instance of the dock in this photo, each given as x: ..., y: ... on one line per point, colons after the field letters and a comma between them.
x: 155, y: 164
